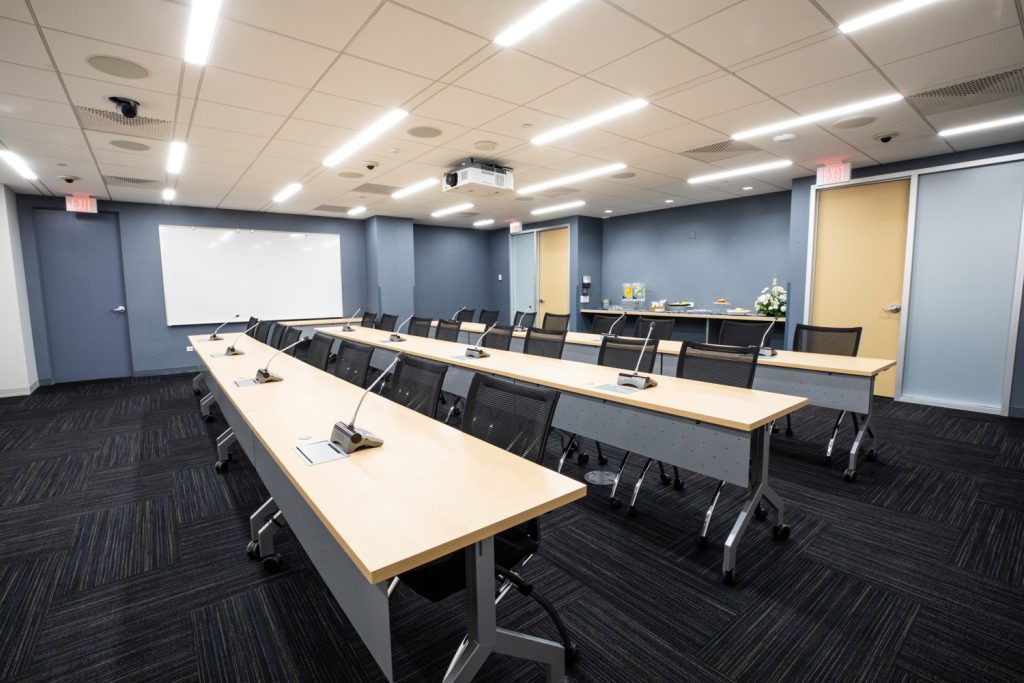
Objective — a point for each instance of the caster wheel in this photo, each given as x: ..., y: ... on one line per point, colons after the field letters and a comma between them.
x: 253, y: 550
x: 678, y: 485
x: 871, y: 455
x: 208, y: 418
x: 272, y: 563
x: 850, y: 475
x: 572, y: 654
x: 702, y: 541
x: 781, y: 533
x: 665, y: 479
x: 615, y: 503
x: 760, y: 512
x: 631, y: 511
x: 789, y: 432
x: 602, y: 460
x: 775, y: 430
x: 221, y: 467
x: 582, y: 458
x: 197, y: 392
x: 729, y: 577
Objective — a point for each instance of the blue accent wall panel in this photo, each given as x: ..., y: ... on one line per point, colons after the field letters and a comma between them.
x: 391, y: 270
x: 501, y: 297
x: 453, y: 269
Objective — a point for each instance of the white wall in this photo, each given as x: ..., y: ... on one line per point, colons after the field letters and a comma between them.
x: 17, y: 359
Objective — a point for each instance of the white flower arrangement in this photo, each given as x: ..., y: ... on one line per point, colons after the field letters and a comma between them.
x: 772, y: 301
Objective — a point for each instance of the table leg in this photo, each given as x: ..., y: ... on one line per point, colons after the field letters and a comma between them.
x: 865, y: 428
x: 197, y: 384
x: 206, y: 405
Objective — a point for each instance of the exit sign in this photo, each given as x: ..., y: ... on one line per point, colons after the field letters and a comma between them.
x: 515, y: 226
x: 834, y: 173
x: 80, y: 204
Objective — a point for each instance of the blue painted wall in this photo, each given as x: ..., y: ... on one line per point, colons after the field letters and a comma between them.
x: 453, y: 269
x: 391, y: 267
x: 501, y: 296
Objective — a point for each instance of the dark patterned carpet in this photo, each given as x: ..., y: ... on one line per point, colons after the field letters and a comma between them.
x: 123, y: 560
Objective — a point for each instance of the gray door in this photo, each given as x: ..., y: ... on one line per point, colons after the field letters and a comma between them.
x: 83, y: 294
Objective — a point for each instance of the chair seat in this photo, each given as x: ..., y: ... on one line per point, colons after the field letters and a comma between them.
x: 446, y: 575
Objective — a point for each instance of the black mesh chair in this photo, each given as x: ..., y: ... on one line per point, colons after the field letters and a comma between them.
x: 249, y: 326
x: 488, y: 318
x: 559, y: 322
x: 500, y: 337
x: 466, y: 315
x: 547, y: 343
x: 448, y: 331
x: 369, y: 320
x: 743, y: 332
x: 524, y: 320
x: 608, y: 324
x: 319, y: 354
x: 387, y: 322
x: 263, y: 331
x: 420, y: 327
x: 416, y: 384
x: 662, y: 327
x: 290, y: 336
x: 515, y: 418
x: 353, y: 363
x: 275, y: 336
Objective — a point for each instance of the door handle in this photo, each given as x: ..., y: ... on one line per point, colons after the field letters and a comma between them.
x: 119, y: 309
x: 892, y: 308
x: 540, y: 301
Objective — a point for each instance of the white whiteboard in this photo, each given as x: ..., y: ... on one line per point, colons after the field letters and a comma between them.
x: 211, y: 274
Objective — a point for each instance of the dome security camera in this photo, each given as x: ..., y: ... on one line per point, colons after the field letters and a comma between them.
x: 126, y: 107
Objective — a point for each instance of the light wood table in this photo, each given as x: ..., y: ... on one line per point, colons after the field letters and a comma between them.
x: 707, y: 318
x: 428, y: 491
x: 718, y: 431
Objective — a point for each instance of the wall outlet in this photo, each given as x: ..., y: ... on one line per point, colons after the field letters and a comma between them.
x: 189, y: 348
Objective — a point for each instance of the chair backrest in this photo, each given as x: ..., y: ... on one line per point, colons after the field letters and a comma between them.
x: 252, y: 321
x: 500, y: 337
x: 662, y: 327
x: 290, y: 336
x: 319, y: 354
x: 743, y: 332
x: 511, y: 416
x: 387, y: 322
x: 524, y: 320
x: 730, y: 365
x: 547, y: 343
x: 353, y: 362
x: 275, y: 335
x: 369, y: 320
x: 417, y: 384
x: 608, y: 324
x: 624, y: 352
x: 466, y: 315
x: 839, y: 341
x: 420, y: 327
x: 488, y: 318
x: 263, y: 331
x: 447, y: 330
x: 559, y: 322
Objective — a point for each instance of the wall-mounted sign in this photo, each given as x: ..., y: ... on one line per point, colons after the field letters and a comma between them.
x: 80, y: 204
x: 834, y: 173
x: 515, y: 226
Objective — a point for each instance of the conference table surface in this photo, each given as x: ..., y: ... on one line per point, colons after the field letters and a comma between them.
x: 735, y: 408
x: 428, y: 491
x: 317, y: 321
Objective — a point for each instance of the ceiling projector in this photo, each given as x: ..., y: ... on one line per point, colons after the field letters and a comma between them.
x: 473, y: 176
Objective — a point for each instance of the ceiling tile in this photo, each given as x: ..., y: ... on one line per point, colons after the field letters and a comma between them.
x: 216, y: 138
x: 198, y: 154
x: 523, y: 123
x: 15, y: 9
x: 20, y: 43
x: 962, y: 61
x: 366, y: 81
x: 861, y: 86
x: 752, y: 28
x: 683, y: 137
x: 240, y: 90
x: 671, y: 15
x: 153, y: 25
x: 323, y: 22
x: 313, y: 133
x: 714, y: 97
x: 579, y: 98
x: 428, y: 47
x: 70, y: 53
x: 467, y: 143
x: 515, y: 77
x: 627, y: 152
x: 468, y: 14
x: 657, y: 67
x: 463, y: 107
x: 760, y: 114
x: 38, y: 111
x: 31, y: 149
x: 226, y: 117
x: 41, y: 84
x: 29, y: 129
x: 256, y: 52
x: 102, y: 141
x: 298, y: 151
x: 647, y: 121
x: 338, y: 111
x: 825, y: 61
x: 1012, y: 106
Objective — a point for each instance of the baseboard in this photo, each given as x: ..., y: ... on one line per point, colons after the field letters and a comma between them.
x: 19, y: 391
x: 167, y: 371
x: 1016, y: 411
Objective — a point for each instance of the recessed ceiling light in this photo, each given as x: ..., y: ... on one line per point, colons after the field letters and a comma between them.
x: 176, y: 157
x: 414, y: 188
x: 589, y: 121
x: 365, y: 137
x: 819, y: 116
x: 670, y: 201
x: 748, y: 188
x: 424, y: 132
x: 129, y: 145
x: 985, y: 125
x: 356, y: 210
x: 533, y: 20
x: 746, y: 170
x: 853, y: 121
x: 202, y: 25
x: 558, y: 207
x: 482, y: 223
x: 883, y: 14
x: 169, y: 194
x: 571, y: 178
x: 784, y: 137
x: 350, y: 174
x: 458, y: 208
x: 485, y: 145
x: 608, y: 210
x: 18, y: 164
x: 623, y: 176
x: 526, y: 125
x: 524, y: 199
x: 287, y: 193
x: 115, y: 66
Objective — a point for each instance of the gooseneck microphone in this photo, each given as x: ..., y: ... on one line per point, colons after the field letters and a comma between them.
x: 395, y: 337
x: 347, y: 436
x: 634, y: 379
x: 454, y: 317
x: 519, y: 323
x: 263, y: 375
x: 231, y: 350
x: 348, y: 326
x: 767, y: 350
x: 611, y: 330
x: 476, y: 351
x: 217, y: 337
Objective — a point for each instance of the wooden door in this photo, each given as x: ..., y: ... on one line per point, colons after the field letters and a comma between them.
x: 552, y: 272
x: 859, y: 251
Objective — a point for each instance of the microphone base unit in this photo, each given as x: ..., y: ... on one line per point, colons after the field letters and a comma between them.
x: 348, y: 328
x: 264, y: 377
x: 767, y: 351
x: 232, y: 351
x: 215, y: 337
x: 636, y: 381
x: 475, y: 352
x: 351, y: 439
x: 396, y: 338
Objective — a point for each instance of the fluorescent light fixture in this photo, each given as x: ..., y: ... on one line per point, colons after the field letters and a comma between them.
x: 570, y: 179
x: 746, y: 170
x: 820, y: 116
x: 365, y: 137
x: 883, y: 14
x: 414, y: 188
x: 985, y: 125
x: 482, y: 223
x: 557, y: 207
x: 748, y: 188
x: 287, y: 193
x: 589, y: 121
x: 202, y: 25
x: 355, y: 211
x: 670, y: 201
x: 608, y: 210
x: 176, y: 157
x: 169, y: 194
x: 542, y: 14
x: 452, y: 209
x: 18, y: 164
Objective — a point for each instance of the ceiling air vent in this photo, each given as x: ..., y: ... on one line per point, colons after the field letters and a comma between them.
x: 726, y: 149
x: 970, y: 93
x: 374, y: 188
x: 104, y: 121
x: 332, y: 208
x: 556, y: 192
x: 126, y: 181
